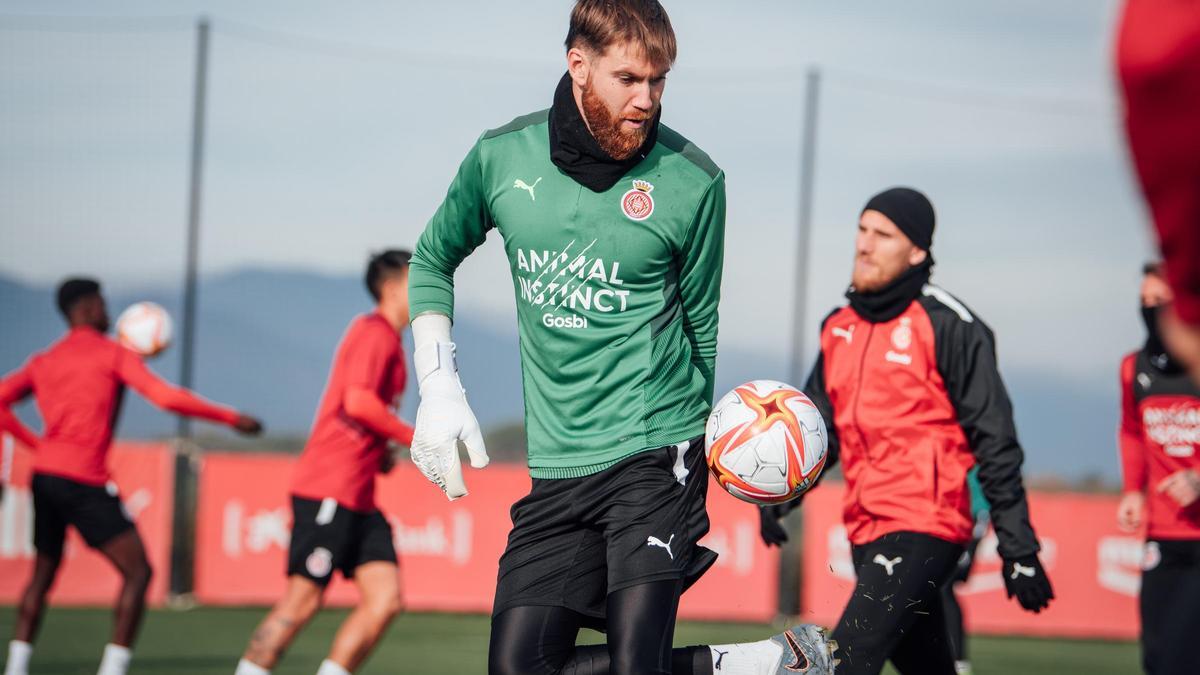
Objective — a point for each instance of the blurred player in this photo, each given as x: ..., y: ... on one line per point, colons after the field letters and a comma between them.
x: 335, y: 522
x: 1159, y: 436
x: 907, y: 376
x: 1158, y: 58
x: 614, y: 227
x: 962, y: 572
x: 79, y: 383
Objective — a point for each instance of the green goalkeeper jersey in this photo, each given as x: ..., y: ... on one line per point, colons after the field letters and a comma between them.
x: 616, y: 291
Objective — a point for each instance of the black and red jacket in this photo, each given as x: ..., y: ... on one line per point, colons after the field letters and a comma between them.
x: 1159, y: 435
x: 912, y: 403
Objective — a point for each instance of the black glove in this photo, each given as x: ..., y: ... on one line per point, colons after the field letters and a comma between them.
x: 1025, y: 578
x: 769, y: 528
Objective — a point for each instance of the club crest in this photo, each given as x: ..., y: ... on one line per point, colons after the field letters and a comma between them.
x: 637, y: 203
x: 902, y: 334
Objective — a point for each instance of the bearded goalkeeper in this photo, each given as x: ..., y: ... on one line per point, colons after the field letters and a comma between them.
x: 613, y: 225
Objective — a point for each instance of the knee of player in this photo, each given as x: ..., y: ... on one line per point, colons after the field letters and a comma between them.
x: 387, y: 607
x: 510, y: 662
x: 140, y: 574
x: 301, y: 611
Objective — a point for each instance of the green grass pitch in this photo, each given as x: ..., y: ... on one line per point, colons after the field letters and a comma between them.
x: 208, y: 641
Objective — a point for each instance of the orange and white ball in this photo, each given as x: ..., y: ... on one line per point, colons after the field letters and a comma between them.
x: 765, y: 442
x: 145, y: 327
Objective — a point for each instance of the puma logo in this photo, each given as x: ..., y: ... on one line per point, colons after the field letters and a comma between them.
x: 1020, y: 570
x: 888, y: 565
x: 846, y: 334
x: 655, y: 541
x: 518, y: 183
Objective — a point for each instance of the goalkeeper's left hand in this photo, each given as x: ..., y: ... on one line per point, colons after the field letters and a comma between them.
x: 1025, y: 578
x: 443, y: 418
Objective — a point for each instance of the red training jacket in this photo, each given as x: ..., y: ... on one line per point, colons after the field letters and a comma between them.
x: 1158, y: 58
x: 1159, y: 435
x: 350, y: 434
x: 915, y: 402
x: 79, y: 383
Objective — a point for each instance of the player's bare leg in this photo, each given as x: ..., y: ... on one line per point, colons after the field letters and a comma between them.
x: 379, y: 603
x: 271, y: 639
x: 33, y: 600
x: 29, y: 614
x: 126, y: 552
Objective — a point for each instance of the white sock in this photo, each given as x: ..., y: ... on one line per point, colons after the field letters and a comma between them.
x: 330, y: 668
x: 746, y: 658
x: 247, y: 668
x: 18, y: 658
x: 115, y: 661
x: 962, y: 667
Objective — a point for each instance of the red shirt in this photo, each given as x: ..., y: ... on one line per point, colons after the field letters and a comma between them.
x: 904, y: 456
x: 1158, y: 57
x: 79, y: 382
x: 344, y: 452
x: 1159, y: 435
x: 912, y: 404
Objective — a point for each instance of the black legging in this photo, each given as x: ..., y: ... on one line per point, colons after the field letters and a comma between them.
x: 534, y: 640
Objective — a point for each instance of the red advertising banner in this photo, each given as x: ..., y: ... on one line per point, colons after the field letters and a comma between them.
x: 1095, y: 570
x: 144, y: 475
x: 448, y: 550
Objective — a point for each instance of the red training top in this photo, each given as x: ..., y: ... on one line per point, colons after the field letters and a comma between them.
x: 79, y: 382
x: 1158, y: 58
x: 1159, y: 435
x: 912, y: 403
x: 349, y: 438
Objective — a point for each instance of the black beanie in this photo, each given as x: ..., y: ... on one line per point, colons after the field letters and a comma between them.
x: 909, y: 210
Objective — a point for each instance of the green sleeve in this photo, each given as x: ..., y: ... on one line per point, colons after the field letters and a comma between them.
x: 978, y: 501
x: 702, y: 259
x: 458, y: 227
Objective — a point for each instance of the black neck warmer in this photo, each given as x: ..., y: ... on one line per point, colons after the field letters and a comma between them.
x: 1155, y: 350
x: 891, y: 301
x: 575, y: 151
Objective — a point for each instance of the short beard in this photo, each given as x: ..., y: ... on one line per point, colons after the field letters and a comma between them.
x: 606, y: 128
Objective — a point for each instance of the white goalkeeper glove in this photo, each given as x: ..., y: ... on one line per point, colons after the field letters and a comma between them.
x: 443, y: 418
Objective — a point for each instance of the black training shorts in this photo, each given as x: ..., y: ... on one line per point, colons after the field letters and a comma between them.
x: 575, y: 540
x: 93, y: 510
x: 327, y: 536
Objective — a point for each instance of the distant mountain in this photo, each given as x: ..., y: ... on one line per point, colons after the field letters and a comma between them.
x: 265, y: 340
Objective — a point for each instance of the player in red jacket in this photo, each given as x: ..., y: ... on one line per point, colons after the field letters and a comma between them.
x: 335, y: 522
x: 907, y: 381
x: 1158, y: 59
x: 79, y: 383
x: 1160, y: 466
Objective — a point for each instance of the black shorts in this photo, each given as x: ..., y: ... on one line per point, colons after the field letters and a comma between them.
x: 575, y: 540
x: 327, y: 536
x: 58, y: 502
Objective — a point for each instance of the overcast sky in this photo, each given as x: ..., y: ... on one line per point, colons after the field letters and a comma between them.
x: 334, y: 129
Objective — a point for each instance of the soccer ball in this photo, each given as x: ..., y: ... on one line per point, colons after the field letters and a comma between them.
x: 765, y: 442
x: 145, y: 328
